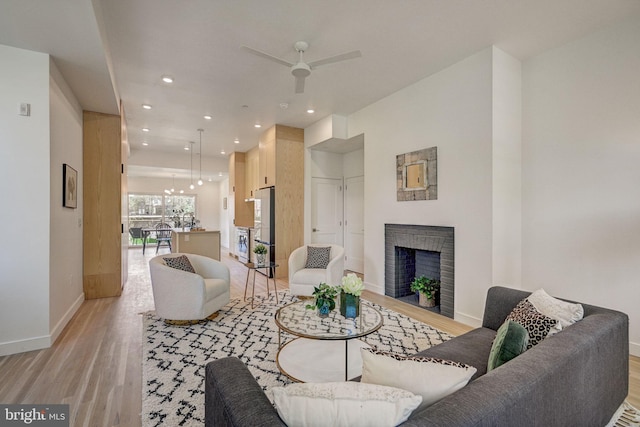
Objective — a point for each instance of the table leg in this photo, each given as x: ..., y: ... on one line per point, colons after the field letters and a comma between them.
x: 346, y: 360
x: 275, y: 288
x: 253, y: 290
x: 246, y: 284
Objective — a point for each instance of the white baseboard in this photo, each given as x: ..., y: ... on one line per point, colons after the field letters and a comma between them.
x: 634, y: 349
x: 38, y: 343
x: 467, y: 319
x: 21, y: 346
x: 376, y: 289
x: 57, y: 330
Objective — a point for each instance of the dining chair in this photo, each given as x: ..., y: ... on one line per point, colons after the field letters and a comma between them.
x: 163, y: 235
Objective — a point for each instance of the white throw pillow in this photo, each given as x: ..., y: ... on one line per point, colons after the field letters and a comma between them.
x: 565, y: 313
x: 428, y: 377
x: 343, y: 404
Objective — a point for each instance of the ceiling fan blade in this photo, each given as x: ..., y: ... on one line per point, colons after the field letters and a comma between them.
x: 337, y: 58
x: 299, y: 84
x: 267, y: 56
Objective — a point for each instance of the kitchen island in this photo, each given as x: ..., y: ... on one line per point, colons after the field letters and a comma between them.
x: 206, y: 243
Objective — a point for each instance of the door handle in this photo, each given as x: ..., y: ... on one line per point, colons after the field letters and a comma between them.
x: 315, y: 229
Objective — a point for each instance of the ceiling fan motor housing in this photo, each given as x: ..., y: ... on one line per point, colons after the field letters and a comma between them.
x: 300, y: 70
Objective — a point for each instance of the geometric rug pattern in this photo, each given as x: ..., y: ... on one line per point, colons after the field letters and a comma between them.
x: 174, y: 357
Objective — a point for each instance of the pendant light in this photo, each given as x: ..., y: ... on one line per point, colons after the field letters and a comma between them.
x: 200, y: 182
x: 191, y: 186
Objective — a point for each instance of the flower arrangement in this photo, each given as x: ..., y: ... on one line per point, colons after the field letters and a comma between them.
x: 350, y: 292
x: 352, y: 284
x: 325, y: 298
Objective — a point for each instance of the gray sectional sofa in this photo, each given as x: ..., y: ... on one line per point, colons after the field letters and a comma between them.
x: 578, y: 377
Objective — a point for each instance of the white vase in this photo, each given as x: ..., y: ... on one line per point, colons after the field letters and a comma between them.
x: 260, y: 259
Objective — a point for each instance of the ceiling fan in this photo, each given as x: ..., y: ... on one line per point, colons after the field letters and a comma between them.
x: 301, y: 69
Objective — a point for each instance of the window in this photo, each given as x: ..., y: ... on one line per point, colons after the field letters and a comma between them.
x: 147, y: 210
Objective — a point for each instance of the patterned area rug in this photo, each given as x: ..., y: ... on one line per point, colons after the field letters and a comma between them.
x: 174, y: 357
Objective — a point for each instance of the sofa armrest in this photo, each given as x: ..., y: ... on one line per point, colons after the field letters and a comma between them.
x: 297, y: 261
x: 234, y: 398
x: 209, y: 268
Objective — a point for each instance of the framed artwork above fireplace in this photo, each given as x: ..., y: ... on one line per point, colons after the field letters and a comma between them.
x: 417, y: 175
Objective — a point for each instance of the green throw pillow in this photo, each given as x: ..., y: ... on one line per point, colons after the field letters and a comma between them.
x: 511, y: 340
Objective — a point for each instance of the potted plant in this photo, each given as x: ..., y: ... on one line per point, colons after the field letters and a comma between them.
x: 426, y: 289
x: 260, y: 250
x: 350, y: 292
x: 325, y: 299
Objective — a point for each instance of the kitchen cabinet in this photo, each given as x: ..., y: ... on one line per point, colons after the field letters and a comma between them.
x: 267, y: 155
x: 252, y: 172
x: 242, y: 214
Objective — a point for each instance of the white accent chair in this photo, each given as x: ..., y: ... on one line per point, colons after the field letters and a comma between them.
x: 302, y: 280
x: 183, y: 296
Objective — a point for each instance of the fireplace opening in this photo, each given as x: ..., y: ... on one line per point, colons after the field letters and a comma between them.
x: 412, y: 263
x: 415, y: 250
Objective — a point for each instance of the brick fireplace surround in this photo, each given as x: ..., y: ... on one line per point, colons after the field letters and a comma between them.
x: 426, y: 238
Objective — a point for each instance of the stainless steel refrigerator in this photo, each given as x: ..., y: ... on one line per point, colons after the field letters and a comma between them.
x: 264, y: 221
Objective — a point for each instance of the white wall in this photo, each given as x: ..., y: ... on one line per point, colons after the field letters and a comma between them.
x: 453, y: 111
x: 208, y: 199
x: 65, y: 275
x: 507, y: 169
x: 581, y: 173
x: 24, y: 185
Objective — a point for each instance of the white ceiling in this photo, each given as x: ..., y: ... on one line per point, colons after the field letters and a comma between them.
x: 111, y: 49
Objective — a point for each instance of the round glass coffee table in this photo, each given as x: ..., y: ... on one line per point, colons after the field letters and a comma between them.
x: 326, y: 348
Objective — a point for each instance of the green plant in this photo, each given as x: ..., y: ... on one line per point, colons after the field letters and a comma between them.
x: 324, y: 293
x: 425, y: 285
x: 260, y: 249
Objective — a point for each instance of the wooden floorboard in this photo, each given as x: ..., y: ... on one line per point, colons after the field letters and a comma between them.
x: 95, y: 365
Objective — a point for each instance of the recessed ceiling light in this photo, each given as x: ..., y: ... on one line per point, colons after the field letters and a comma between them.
x: 146, y: 106
x: 145, y: 129
x: 210, y: 179
x: 221, y: 151
x: 311, y: 111
x: 186, y: 148
x: 167, y: 79
x: 207, y: 117
x: 236, y: 141
x: 145, y: 143
x: 257, y: 125
x: 219, y: 173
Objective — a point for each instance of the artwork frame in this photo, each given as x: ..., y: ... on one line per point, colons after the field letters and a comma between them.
x: 69, y: 187
x: 417, y: 175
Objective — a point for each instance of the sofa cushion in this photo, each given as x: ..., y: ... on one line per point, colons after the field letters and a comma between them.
x: 511, y: 340
x: 318, y: 256
x: 179, y: 262
x: 537, y: 324
x: 428, y: 377
x: 343, y: 404
x: 565, y: 313
x: 471, y: 348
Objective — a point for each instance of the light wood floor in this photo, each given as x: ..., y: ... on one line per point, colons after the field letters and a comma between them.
x: 95, y: 365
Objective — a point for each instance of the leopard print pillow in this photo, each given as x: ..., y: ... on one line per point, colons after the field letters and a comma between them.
x: 537, y: 324
x: 179, y: 262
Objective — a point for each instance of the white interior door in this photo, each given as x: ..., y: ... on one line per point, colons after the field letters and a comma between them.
x: 354, y: 223
x: 326, y: 210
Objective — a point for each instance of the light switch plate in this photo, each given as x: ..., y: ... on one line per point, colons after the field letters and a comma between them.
x: 24, y: 109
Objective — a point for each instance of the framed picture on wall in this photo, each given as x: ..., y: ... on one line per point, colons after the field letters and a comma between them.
x: 69, y: 187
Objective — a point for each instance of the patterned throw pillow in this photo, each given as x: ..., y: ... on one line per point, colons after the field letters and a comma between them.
x: 429, y: 377
x: 179, y: 262
x: 537, y: 324
x: 318, y: 257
